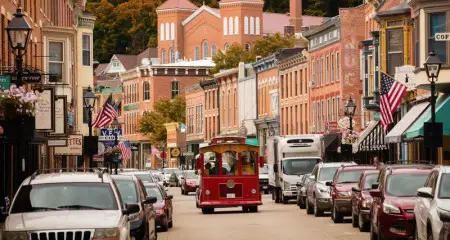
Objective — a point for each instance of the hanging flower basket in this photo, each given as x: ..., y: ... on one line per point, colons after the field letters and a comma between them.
x: 113, y: 155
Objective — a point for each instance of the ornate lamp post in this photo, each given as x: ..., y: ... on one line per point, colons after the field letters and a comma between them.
x: 433, y: 67
x: 89, y: 103
x: 19, y: 32
x: 349, y: 111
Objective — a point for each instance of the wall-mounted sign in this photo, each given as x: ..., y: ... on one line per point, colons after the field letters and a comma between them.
x: 74, y: 146
x: 28, y: 77
x: 442, y: 36
x: 175, y: 152
x: 107, y: 134
x: 60, y: 116
x: 5, y: 82
x: 57, y: 143
x: 45, y: 116
x: 405, y: 75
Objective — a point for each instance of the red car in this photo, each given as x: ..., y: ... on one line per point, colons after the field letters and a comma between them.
x: 361, y: 200
x: 189, y: 182
x: 394, y: 198
x: 163, y: 206
x: 344, y: 179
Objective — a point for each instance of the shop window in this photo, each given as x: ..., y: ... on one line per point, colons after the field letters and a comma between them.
x: 437, y: 24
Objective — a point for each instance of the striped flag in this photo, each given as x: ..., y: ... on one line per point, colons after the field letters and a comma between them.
x: 126, y: 151
x: 392, y: 93
x: 106, y: 115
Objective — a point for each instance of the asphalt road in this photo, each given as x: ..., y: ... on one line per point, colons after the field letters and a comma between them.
x: 273, y: 221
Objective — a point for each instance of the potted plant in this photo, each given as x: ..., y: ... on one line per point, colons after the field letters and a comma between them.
x: 19, y: 106
x: 113, y: 155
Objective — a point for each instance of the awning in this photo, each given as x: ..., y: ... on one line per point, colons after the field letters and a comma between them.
x: 396, y: 134
x: 442, y: 115
x: 372, y: 139
x: 252, y: 141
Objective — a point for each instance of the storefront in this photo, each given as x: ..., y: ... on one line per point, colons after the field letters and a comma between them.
x: 371, y: 144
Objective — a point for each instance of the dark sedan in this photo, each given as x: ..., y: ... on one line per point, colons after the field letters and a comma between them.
x: 163, y: 206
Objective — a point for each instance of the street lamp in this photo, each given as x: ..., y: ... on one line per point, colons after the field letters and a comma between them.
x: 19, y: 32
x: 89, y: 103
x: 115, y: 126
x: 349, y: 110
x: 433, y: 67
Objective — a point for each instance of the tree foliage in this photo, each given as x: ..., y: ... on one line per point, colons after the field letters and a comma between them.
x: 164, y: 111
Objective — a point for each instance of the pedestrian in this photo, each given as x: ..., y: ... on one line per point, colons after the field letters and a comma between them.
x: 377, y: 163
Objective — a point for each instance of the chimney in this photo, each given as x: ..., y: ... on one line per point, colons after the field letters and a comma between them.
x: 289, y: 30
x: 295, y: 13
x: 241, y: 70
x: 258, y: 58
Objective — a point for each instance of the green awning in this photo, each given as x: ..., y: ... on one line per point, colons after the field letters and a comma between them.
x: 252, y: 141
x: 442, y: 115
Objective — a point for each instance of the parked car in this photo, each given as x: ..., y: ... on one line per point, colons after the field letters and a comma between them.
x: 344, y: 180
x: 318, y: 198
x: 362, y: 201
x: 167, y: 174
x: 189, y: 182
x: 132, y: 190
x: 432, y: 208
x: 163, y: 206
x: 143, y: 175
x: 158, y: 178
x: 129, y: 170
x: 301, y: 193
x: 394, y: 199
x: 69, y: 203
x: 264, y: 186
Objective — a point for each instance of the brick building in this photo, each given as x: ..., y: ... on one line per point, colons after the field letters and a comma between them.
x: 211, y: 113
x: 190, y: 32
x: 195, y: 121
x: 228, y: 101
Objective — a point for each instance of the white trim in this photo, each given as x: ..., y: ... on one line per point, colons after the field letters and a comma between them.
x: 197, y: 12
x: 250, y: 2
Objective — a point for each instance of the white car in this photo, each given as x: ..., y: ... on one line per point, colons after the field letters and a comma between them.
x: 167, y: 173
x: 433, y: 206
x: 80, y: 205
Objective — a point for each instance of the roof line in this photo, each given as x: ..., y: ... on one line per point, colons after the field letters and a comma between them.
x: 197, y: 12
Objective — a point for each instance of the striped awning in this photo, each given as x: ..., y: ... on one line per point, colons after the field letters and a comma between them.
x: 373, y: 140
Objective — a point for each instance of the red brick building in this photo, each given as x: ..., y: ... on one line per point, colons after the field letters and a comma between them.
x: 195, y: 121
x: 211, y: 114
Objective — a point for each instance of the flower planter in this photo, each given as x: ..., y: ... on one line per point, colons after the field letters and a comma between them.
x: 112, y: 158
x: 19, y: 128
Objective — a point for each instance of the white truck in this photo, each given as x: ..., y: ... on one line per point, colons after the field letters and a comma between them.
x: 290, y: 157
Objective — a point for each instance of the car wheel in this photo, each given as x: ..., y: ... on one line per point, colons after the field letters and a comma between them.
x: 373, y: 235
x: 317, y: 211
x: 309, y: 208
x: 429, y: 233
x: 253, y: 208
x: 207, y: 210
x: 363, y: 227
x: 277, y: 196
x: 165, y: 225
x: 337, y: 216
x: 170, y: 225
x: 354, y: 220
x: 284, y: 199
x: 245, y: 209
x: 302, y: 203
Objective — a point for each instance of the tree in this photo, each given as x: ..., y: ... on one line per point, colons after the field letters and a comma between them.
x: 164, y: 111
x: 265, y: 47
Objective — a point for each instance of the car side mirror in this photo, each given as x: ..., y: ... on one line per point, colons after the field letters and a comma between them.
x: 375, y: 185
x: 375, y: 193
x: 329, y: 184
x: 425, y: 192
x: 169, y: 197
x: 356, y: 189
x: 131, y: 208
x: 275, y: 168
x: 150, y: 200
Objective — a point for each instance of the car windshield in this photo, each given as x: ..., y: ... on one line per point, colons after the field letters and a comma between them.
x: 298, y: 166
x: 154, y: 192
x: 191, y: 175
x: 405, y: 185
x: 64, y: 196
x: 351, y: 176
x: 444, y: 190
x: 127, y: 190
x: 264, y: 170
x: 170, y: 170
x: 370, y: 180
x: 145, y: 177
x: 327, y: 173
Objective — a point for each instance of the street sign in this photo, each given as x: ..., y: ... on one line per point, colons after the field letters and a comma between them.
x: 442, y: 36
x: 5, y: 82
x: 28, y: 77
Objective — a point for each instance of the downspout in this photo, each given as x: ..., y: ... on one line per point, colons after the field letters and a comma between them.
x: 366, y: 53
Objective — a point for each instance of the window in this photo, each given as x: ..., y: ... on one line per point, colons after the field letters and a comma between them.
x: 338, y: 107
x: 248, y: 164
x: 167, y: 31
x: 205, y: 50
x: 394, y: 49
x: 56, y: 61
x: 282, y: 86
x: 258, y: 27
x: 417, y: 41
x: 247, y: 46
x: 332, y: 68
x: 171, y: 56
x: 327, y: 69
x: 86, y: 50
x: 146, y: 91
x: 252, y: 26
x: 332, y: 110
x: 245, y: 25
x: 306, y: 79
x: 163, y: 56
x: 328, y: 110
x: 337, y: 66
x: 172, y: 31
x: 213, y: 50
x: 296, y: 83
x: 301, y: 81
x: 437, y: 24
x: 230, y: 26
x: 236, y: 25
x: 225, y: 26
x: 175, y: 88
x: 197, y: 53
x: 321, y: 71
x: 227, y: 46
x: 199, y: 119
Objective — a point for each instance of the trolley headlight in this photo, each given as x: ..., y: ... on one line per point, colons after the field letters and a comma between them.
x: 207, y: 192
x: 254, y: 191
x: 15, y: 236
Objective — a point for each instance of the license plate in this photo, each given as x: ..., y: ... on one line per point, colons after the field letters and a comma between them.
x: 264, y: 187
x: 231, y: 195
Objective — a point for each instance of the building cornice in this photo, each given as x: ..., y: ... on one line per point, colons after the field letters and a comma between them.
x: 226, y: 72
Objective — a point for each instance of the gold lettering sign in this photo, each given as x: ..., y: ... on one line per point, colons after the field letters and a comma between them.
x: 74, y: 146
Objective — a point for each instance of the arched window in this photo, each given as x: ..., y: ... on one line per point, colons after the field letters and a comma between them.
x: 161, y: 32
x: 252, y: 26
x: 171, y: 56
x: 247, y: 46
x: 236, y: 25
x: 225, y: 26
x: 197, y: 53
x: 213, y: 50
x: 172, y: 31
x: 163, y: 56
x: 230, y: 25
x: 167, y: 31
x: 245, y: 25
x: 146, y: 90
x: 258, y: 27
x: 227, y: 46
x: 205, y: 49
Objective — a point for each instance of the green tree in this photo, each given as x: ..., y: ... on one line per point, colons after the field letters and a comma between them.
x: 164, y: 111
x: 265, y: 47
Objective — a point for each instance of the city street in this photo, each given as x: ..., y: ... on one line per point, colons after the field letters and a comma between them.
x: 273, y: 221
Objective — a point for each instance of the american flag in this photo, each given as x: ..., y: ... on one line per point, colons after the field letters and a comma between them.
x: 106, y: 115
x: 126, y: 151
x: 392, y: 93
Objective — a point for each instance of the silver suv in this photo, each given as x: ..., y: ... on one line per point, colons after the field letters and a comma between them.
x: 68, y: 205
x: 318, y: 198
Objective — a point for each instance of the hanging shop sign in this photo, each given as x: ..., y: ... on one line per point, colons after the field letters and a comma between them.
x: 442, y: 36
x: 60, y: 117
x: 45, y: 117
x: 107, y: 134
x: 57, y: 143
x: 5, y: 82
x: 175, y: 152
x: 28, y: 77
x: 74, y: 146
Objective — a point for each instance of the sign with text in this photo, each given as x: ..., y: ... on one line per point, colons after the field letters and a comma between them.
x: 45, y: 116
x: 57, y: 143
x: 60, y: 116
x: 107, y: 134
x: 442, y: 36
x: 28, y: 77
x: 74, y: 146
x: 5, y: 82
